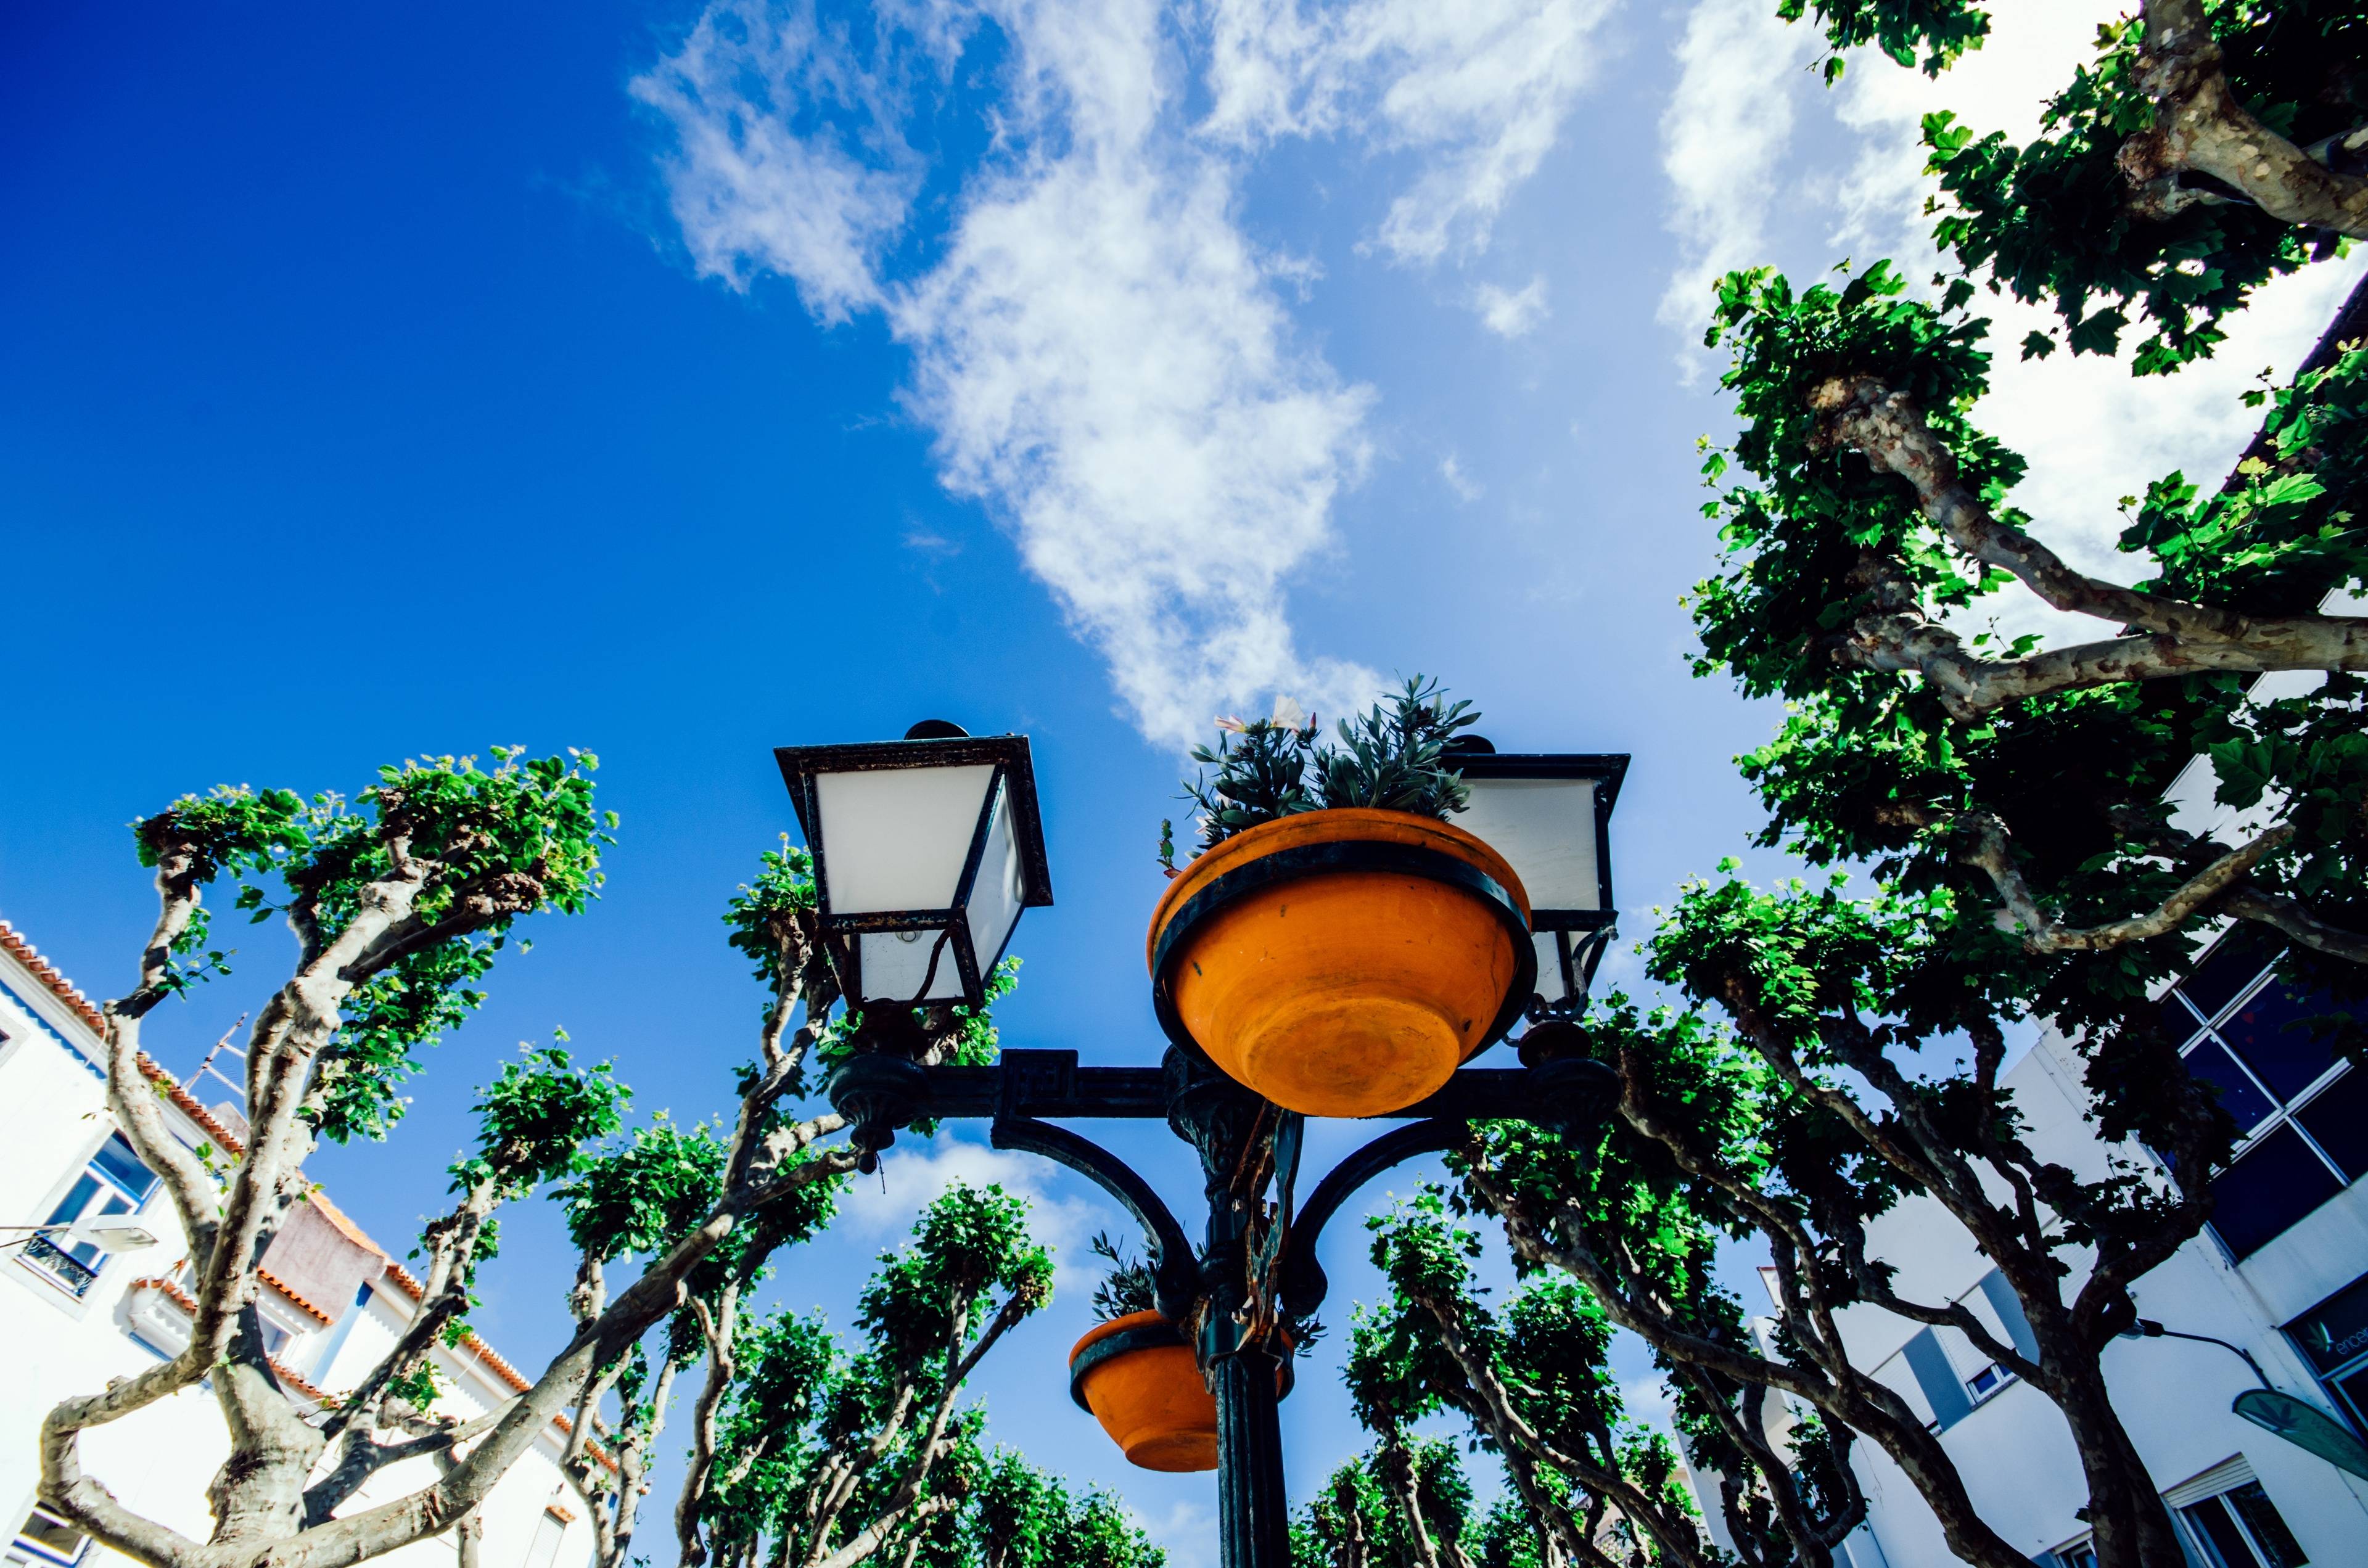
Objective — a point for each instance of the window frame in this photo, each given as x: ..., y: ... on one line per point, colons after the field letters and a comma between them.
x: 35, y: 1550
x: 106, y: 1189
x: 2284, y: 1111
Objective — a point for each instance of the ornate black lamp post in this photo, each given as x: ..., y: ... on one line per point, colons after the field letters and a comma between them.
x: 927, y: 850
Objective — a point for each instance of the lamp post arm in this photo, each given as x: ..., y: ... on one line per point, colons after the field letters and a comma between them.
x: 1304, y: 1282
x: 1173, y: 1265
x: 2148, y: 1329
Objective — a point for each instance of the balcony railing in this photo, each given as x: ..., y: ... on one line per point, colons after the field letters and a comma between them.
x: 54, y: 1260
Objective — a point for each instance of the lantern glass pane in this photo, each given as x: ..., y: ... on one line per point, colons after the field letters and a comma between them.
x: 1546, y: 828
x: 1550, y: 985
x: 895, y: 962
x: 897, y: 838
x: 994, y: 897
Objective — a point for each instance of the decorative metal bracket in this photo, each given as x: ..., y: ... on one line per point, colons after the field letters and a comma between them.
x: 1175, y: 1270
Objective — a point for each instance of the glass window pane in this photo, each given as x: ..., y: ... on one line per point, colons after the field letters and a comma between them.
x: 2355, y: 1389
x: 119, y: 1165
x: 2231, y: 966
x: 995, y: 896
x: 2276, y: 1182
x: 2210, y: 1061
x: 51, y: 1535
x: 2213, y: 1521
x: 2338, y: 1118
x: 2271, y: 1537
x: 2178, y: 1019
x: 897, y: 838
x: 2270, y: 1032
x: 77, y: 1199
x: 894, y: 964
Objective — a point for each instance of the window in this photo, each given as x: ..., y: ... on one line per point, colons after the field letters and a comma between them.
x: 44, y: 1538
x: 2302, y: 1115
x: 548, y: 1531
x: 115, y: 1182
x: 2333, y: 1337
x: 2240, y: 1528
x: 2080, y: 1554
x: 1987, y: 1382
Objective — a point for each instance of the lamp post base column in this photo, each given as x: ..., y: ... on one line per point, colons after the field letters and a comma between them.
x: 1252, y: 1515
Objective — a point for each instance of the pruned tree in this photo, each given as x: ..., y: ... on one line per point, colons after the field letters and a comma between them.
x: 1405, y: 1505
x: 399, y: 901
x: 1020, y: 1517
x: 1532, y: 1382
x: 834, y: 1456
x: 2205, y: 147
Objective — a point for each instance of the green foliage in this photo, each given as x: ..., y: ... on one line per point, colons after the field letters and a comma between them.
x: 1022, y: 1517
x: 969, y: 1242
x: 638, y: 1200
x: 1129, y: 1287
x: 2052, y: 222
x: 1390, y: 758
x: 485, y: 847
x: 1358, y: 1517
x: 534, y: 1121
x: 1943, y: 29
x: 800, y: 1397
x: 766, y: 915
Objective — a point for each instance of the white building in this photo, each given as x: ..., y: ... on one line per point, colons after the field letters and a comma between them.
x: 73, y: 1316
x: 2281, y: 1272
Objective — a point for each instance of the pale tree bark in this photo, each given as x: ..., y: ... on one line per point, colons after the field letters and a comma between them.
x: 2201, y: 128
x: 260, y: 1497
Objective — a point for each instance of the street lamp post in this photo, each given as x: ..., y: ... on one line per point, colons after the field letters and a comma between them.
x: 934, y: 843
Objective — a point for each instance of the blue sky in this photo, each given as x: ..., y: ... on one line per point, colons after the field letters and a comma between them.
x: 677, y: 383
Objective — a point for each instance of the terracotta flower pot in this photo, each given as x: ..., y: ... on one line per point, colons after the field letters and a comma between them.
x: 1343, y: 962
x: 1137, y: 1378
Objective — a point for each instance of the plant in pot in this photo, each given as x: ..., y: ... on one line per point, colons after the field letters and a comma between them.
x: 1134, y: 1373
x: 1338, y: 945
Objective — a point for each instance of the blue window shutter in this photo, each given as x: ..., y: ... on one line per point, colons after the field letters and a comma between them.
x: 2008, y: 1308
x: 1942, y: 1388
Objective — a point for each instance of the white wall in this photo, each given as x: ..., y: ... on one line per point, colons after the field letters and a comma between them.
x: 2013, y: 1450
x: 52, y: 1115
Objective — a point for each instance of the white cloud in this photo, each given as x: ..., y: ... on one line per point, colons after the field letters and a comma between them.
x: 1186, y: 1535
x: 1511, y: 312
x: 1102, y: 354
x: 752, y: 195
x: 885, y: 1206
x: 1451, y: 469
x: 1477, y: 91
x: 1724, y: 137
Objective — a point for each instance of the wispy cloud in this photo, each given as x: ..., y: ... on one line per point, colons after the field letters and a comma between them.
x: 1510, y: 313
x: 1723, y: 138
x: 1451, y: 469
x: 884, y: 1207
x: 1106, y: 360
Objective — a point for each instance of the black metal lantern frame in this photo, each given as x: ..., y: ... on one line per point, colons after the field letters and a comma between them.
x: 1013, y: 786
x: 1247, y: 1291
x: 1581, y: 933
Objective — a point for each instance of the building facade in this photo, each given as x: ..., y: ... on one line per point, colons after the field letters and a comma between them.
x: 2281, y: 1274
x: 73, y: 1315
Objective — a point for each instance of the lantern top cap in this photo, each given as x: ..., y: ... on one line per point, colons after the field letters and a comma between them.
x: 944, y: 746
x: 1485, y: 761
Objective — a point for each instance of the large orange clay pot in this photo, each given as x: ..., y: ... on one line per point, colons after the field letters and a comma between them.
x: 1343, y: 962
x: 1137, y: 1378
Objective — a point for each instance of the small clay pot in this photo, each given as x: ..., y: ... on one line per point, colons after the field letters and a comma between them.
x: 1343, y: 962
x: 1136, y: 1376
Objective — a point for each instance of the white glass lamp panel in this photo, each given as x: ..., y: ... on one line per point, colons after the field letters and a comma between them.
x: 899, y: 837
x: 895, y: 962
x: 1550, y: 985
x: 995, y: 896
x: 1546, y: 828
